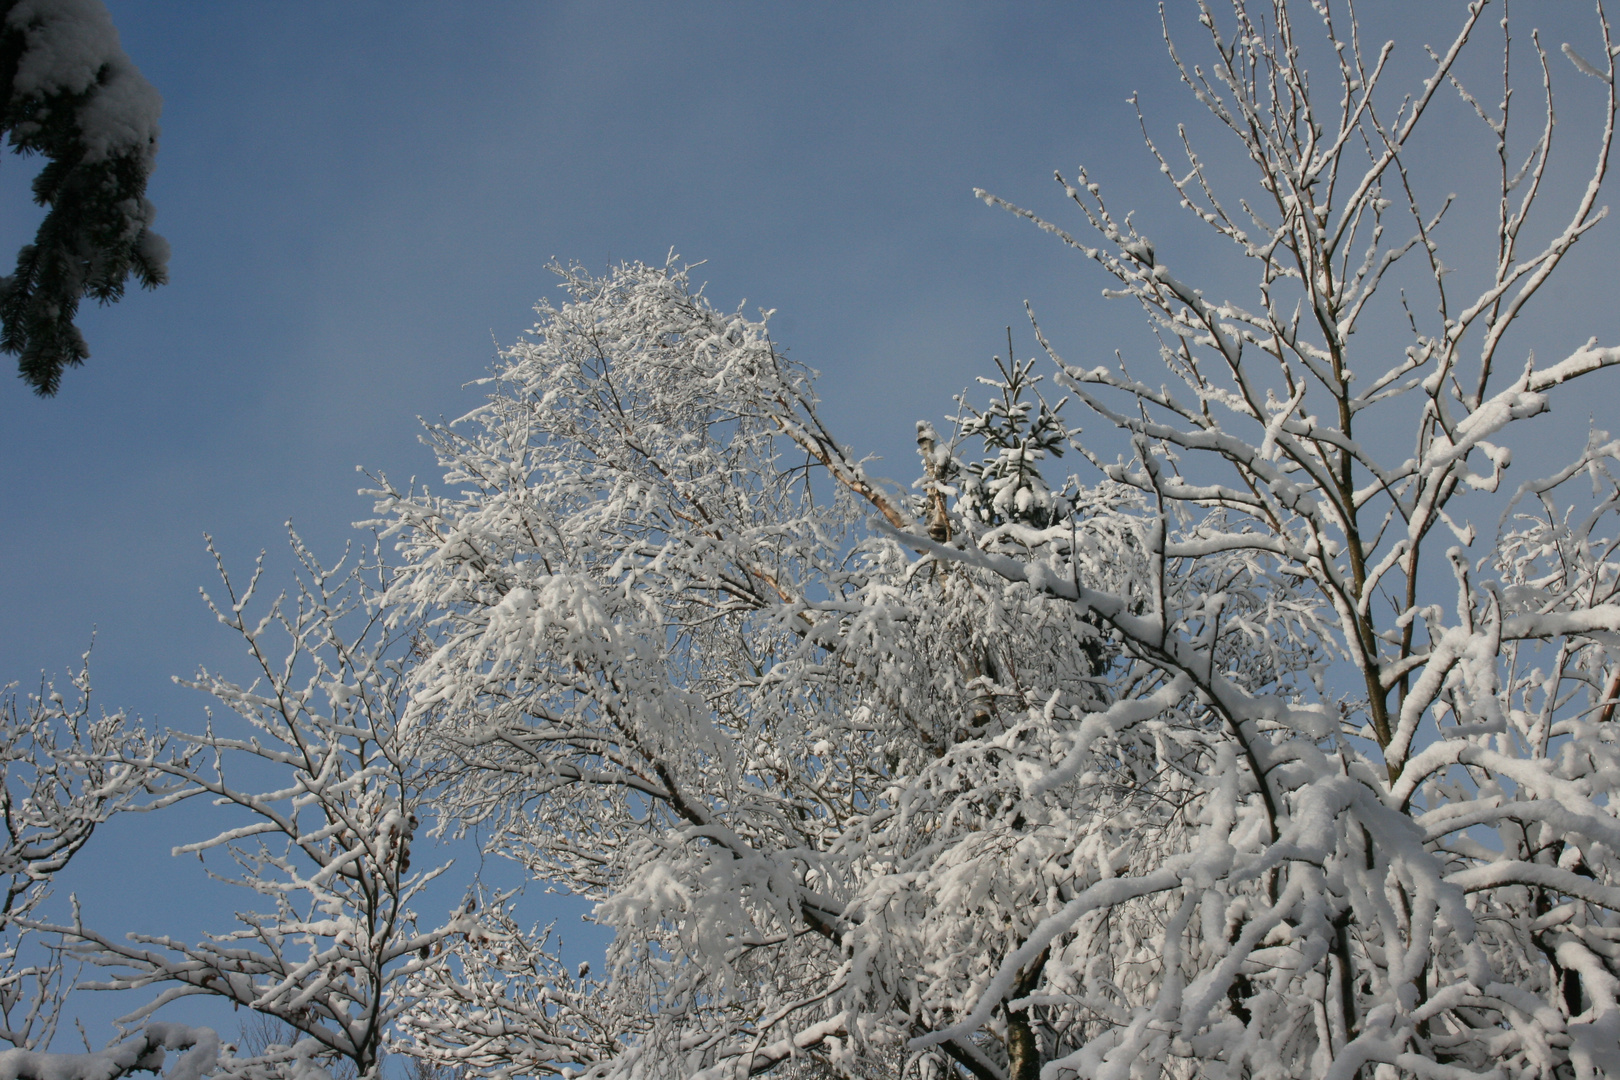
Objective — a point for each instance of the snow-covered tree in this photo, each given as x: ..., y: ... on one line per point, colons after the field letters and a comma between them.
x: 62, y: 775
x: 1277, y: 749
x: 670, y: 668
x: 1411, y: 869
x: 69, y: 93
x: 320, y: 790
x: 57, y: 785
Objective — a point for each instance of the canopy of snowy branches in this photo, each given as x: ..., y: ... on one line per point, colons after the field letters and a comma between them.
x: 1281, y: 744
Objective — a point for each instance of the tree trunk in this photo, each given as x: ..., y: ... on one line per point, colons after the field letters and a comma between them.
x: 1023, y: 1048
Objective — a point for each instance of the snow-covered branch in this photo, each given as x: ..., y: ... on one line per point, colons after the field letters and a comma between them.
x: 327, y: 847
x: 60, y: 778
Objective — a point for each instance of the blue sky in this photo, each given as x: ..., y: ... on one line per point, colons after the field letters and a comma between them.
x: 362, y: 199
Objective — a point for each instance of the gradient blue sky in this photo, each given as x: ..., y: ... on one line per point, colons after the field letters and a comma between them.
x: 362, y: 198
